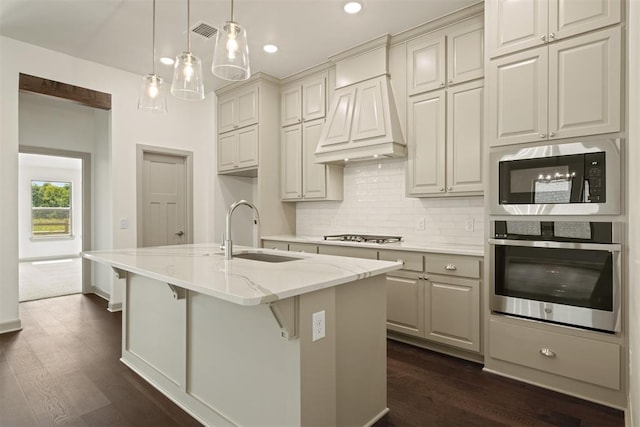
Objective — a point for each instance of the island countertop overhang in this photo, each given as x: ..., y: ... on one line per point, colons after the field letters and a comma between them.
x: 202, y: 268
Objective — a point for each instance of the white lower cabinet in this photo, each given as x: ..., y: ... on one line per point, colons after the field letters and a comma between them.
x: 579, y: 358
x: 440, y: 302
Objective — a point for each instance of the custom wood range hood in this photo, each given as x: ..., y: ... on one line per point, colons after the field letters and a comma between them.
x: 363, y: 122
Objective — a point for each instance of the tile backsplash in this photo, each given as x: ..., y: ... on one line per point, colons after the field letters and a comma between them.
x: 375, y: 203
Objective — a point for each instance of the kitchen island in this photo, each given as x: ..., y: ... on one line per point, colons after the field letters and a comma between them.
x: 271, y: 340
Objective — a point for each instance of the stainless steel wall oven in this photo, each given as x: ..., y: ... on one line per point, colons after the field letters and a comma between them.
x: 564, y: 272
x: 565, y: 178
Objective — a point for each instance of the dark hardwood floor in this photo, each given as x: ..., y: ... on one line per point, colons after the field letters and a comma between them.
x: 63, y: 369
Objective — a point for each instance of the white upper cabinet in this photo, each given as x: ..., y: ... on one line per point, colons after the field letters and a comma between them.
x: 291, y: 155
x: 304, y: 101
x: 315, y: 175
x: 570, y: 88
x: 238, y: 109
x: 427, y: 130
x: 523, y: 24
x: 446, y: 57
x: 238, y: 150
x: 426, y: 64
x: 465, y: 130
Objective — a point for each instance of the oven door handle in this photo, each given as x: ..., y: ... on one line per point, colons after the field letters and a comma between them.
x: 611, y: 247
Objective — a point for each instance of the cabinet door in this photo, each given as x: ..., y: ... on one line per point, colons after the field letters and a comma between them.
x: 405, y: 303
x: 248, y: 107
x: 248, y: 147
x: 314, y: 183
x: 584, y: 84
x: 291, y: 169
x: 571, y: 17
x: 227, y: 113
x: 518, y: 97
x: 516, y: 25
x: 273, y: 244
x: 368, y: 117
x: 465, y: 52
x: 425, y: 64
x: 465, y: 133
x: 291, y: 105
x: 227, y: 151
x: 452, y: 312
x: 426, y: 131
x: 309, y: 248
x: 314, y: 95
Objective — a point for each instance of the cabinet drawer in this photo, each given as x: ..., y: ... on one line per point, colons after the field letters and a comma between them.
x: 579, y: 358
x: 453, y: 265
x: 273, y: 244
x: 348, y: 251
x: 303, y: 247
x: 410, y: 260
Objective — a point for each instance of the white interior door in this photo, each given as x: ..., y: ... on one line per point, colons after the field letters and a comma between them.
x: 164, y: 197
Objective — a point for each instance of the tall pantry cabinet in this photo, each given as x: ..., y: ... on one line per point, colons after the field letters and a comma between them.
x: 445, y: 89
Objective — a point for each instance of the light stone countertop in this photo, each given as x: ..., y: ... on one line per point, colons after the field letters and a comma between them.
x: 471, y: 250
x: 202, y: 268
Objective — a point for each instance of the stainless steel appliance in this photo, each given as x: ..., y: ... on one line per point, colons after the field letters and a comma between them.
x: 557, y: 271
x: 570, y: 178
x: 366, y: 238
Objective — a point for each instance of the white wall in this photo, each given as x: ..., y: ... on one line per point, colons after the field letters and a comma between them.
x: 187, y: 126
x: 375, y: 203
x: 33, y: 167
x: 633, y: 81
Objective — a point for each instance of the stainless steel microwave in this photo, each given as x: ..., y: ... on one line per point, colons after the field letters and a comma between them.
x: 570, y: 178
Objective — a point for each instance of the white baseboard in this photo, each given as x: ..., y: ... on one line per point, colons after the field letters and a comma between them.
x: 10, y: 326
x: 113, y: 307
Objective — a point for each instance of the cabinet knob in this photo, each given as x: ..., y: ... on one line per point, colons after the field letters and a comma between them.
x: 449, y: 188
x: 543, y: 135
x: 450, y: 267
x: 420, y: 277
x: 441, y: 84
x: 552, y: 36
x: 546, y: 352
x: 451, y: 81
x: 440, y: 189
x: 552, y: 134
x: 543, y: 38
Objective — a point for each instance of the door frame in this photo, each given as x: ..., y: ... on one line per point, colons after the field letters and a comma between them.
x: 86, y: 201
x: 141, y: 150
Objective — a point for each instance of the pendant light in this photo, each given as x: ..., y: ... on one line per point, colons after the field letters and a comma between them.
x: 187, y: 72
x: 151, y: 96
x: 231, y: 53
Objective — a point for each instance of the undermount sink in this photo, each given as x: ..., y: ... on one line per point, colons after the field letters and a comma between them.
x: 257, y: 256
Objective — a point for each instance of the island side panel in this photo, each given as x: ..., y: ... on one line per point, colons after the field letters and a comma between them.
x: 361, y: 351
x: 155, y: 328
x: 238, y: 364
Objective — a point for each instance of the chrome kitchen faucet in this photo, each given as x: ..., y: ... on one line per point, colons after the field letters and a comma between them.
x: 228, y: 245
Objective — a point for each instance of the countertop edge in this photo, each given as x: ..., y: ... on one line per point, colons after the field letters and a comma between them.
x: 408, y: 247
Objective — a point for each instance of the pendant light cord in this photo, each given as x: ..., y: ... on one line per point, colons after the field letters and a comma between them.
x: 188, y: 25
x: 154, y: 38
x: 233, y: 18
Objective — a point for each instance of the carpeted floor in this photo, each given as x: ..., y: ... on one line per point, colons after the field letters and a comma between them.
x: 51, y: 278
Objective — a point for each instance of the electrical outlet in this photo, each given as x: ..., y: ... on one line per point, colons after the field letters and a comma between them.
x: 468, y: 225
x: 124, y: 223
x: 420, y: 225
x: 317, y: 321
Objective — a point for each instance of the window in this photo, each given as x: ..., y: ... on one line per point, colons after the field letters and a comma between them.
x: 50, y: 209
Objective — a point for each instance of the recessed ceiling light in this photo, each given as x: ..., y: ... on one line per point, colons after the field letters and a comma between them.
x: 353, y: 7
x: 270, y: 48
x: 166, y: 60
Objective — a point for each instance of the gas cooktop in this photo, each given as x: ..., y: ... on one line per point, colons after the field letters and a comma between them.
x: 365, y: 238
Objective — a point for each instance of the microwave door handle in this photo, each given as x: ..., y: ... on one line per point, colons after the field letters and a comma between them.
x: 586, y: 196
x: 611, y: 247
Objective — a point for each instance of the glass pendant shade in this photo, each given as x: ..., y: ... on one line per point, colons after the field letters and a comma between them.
x: 152, y: 96
x: 187, y: 78
x: 231, y: 53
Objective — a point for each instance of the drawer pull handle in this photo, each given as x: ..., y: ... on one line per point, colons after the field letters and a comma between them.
x: 450, y: 267
x: 546, y: 352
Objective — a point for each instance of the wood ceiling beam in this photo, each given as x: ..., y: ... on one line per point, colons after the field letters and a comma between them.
x: 80, y: 95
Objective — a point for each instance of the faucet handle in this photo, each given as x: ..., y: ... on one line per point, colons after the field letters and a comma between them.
x: 222, y: 241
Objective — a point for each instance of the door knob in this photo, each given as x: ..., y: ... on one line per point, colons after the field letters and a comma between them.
x: 180, y: 233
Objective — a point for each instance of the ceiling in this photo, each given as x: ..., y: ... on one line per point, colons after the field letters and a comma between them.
x: 118, y: 33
